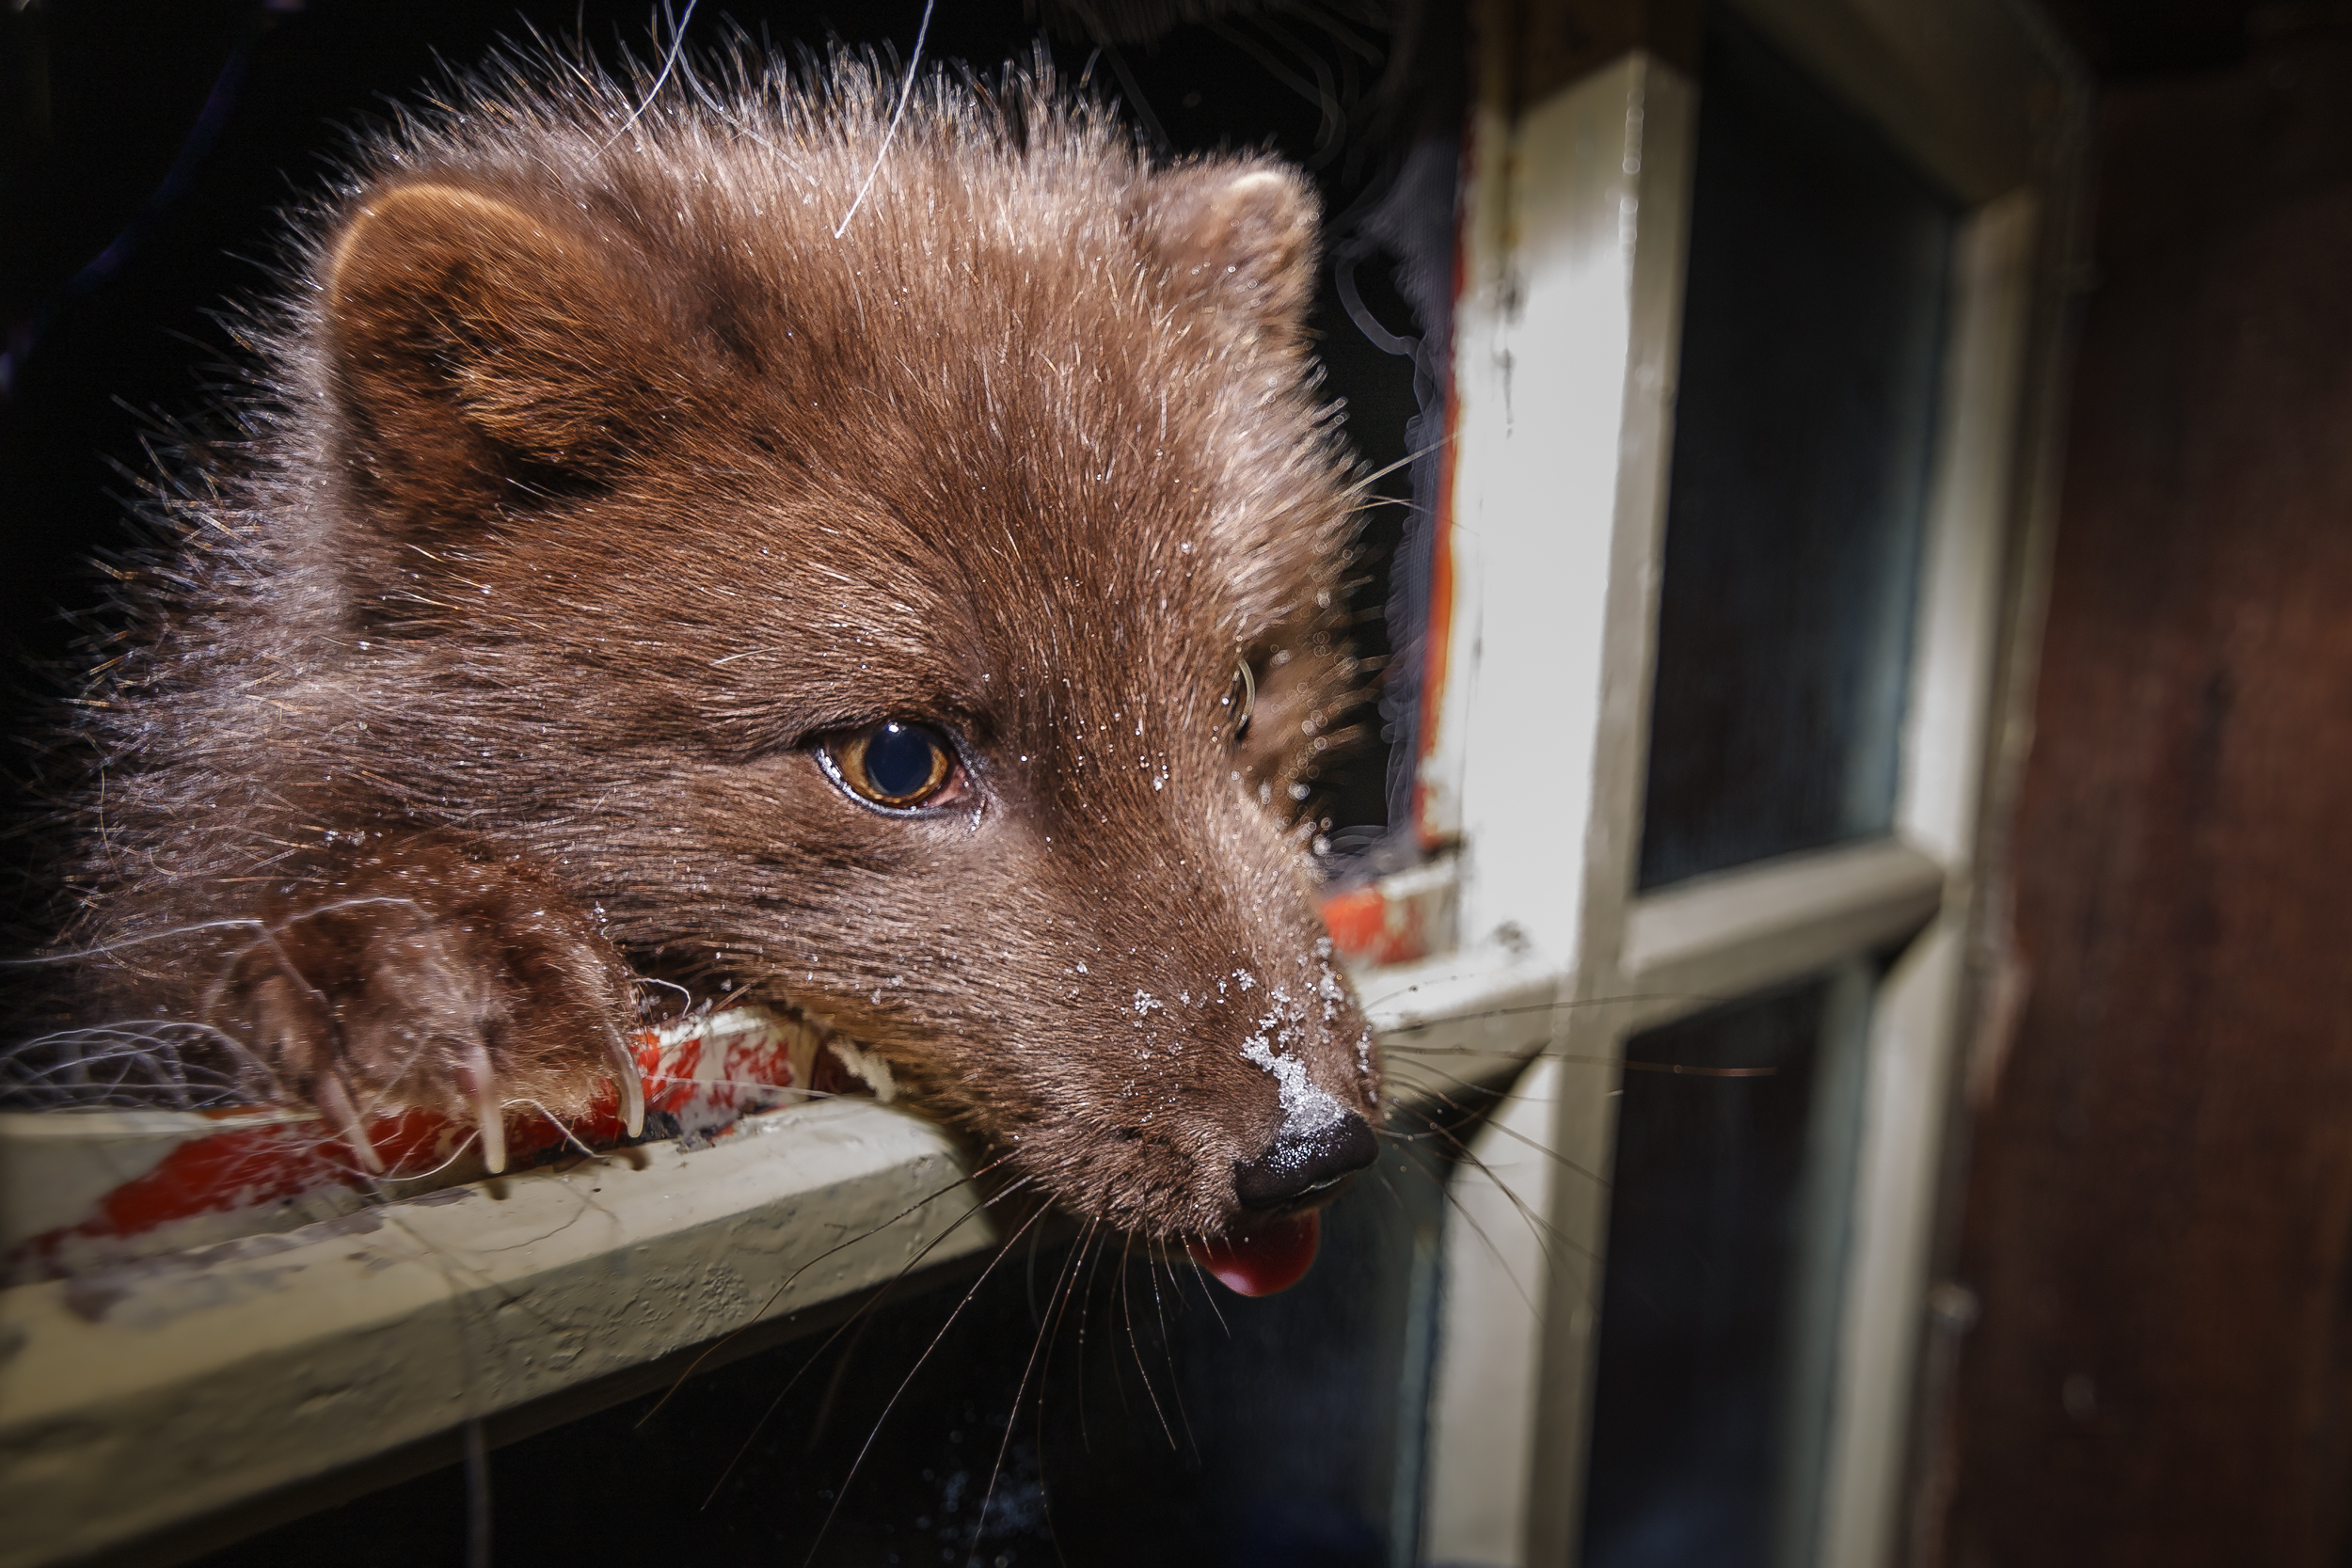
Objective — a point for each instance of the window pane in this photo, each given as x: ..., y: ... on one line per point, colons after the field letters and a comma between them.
x: 1728, y: 1226
x: 1812, y: 324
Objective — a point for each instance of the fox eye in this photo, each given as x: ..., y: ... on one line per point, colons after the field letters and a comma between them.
x: 894, y: 766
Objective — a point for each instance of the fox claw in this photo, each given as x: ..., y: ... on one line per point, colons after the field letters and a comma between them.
x: 627, y: 1080
x: 334, y: 1103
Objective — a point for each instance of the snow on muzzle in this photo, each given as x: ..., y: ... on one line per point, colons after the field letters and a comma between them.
x: 1319, y: 1144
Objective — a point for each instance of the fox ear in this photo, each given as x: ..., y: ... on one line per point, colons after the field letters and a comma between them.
x: 1241, y: 233
x: 479, y: 355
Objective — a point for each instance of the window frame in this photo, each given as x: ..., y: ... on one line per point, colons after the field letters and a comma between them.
x: 1574, y: 229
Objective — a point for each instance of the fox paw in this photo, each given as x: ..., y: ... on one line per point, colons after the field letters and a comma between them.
x: 419, y: 979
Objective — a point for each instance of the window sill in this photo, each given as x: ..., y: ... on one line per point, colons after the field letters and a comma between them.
x: 141, y: 1399
x: 136, y: 1398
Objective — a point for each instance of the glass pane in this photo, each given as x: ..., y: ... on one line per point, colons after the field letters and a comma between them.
x: 1727, y: 1228
x: 1812, y: 325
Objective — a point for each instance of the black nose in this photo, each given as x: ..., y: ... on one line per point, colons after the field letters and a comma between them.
x: 1299, y: 1167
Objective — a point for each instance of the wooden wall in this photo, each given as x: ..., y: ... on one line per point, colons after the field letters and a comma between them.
x: 2158, y: 1211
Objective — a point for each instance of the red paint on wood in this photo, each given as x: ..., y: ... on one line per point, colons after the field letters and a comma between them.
x: 1370, y: 927
x: 241, y: 1169
x: 1437, y: 643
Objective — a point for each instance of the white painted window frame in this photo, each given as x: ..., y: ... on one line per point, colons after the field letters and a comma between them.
x: 1575, y: 222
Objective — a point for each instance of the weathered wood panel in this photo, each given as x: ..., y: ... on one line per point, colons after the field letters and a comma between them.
x: 2158, y: 1219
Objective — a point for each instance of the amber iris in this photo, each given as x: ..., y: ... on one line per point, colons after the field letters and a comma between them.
x: 897, y: 766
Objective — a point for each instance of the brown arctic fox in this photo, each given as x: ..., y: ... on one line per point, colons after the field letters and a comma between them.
x: 787, y: 541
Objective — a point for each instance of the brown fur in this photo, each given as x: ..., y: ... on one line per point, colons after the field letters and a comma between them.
x: 598, y: 483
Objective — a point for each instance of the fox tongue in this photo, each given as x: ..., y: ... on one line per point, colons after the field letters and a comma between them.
x: 1272, y: 1258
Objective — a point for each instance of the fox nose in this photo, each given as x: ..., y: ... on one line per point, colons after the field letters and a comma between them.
x: 1298, y: 1167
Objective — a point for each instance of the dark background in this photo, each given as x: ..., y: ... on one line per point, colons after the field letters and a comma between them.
x: 148, y: 147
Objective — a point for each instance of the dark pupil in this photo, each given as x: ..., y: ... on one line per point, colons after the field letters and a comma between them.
x: 899, y: 761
